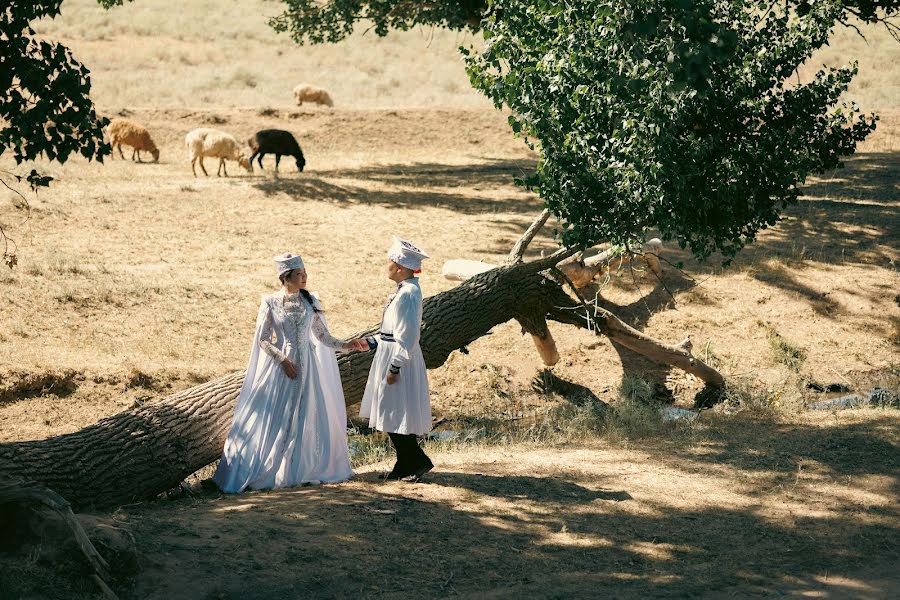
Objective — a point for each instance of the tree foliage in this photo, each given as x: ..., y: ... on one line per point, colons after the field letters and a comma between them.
x: 317, y: 22
x: 45, y: 105
x: 672, y: 115
x: 329, y: 21
x: 676, y: 115
x: 44, y: 91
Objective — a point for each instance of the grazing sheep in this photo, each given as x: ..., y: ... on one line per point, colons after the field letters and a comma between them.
x: 277, y: 142
x: 310, y: 93
x: 204, y: 142
x: 126, y: 131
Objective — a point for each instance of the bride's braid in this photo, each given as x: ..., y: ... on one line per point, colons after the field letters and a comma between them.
x: 309, y: 299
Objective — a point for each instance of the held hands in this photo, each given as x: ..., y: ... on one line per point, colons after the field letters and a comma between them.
x: 289, y: 369
x: 356, y: 344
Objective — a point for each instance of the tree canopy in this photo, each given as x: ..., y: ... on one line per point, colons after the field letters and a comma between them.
x: 45, y: 104
x: 675, y: 115
x: 328, y: 21
x: 44, y: 91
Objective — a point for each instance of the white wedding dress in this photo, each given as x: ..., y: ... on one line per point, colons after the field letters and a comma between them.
x: 287, y: 431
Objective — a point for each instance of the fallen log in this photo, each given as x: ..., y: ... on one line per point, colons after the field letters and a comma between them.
x: 140, y: 453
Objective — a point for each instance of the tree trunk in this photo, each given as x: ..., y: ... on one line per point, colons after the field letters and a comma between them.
x: 139, y: 453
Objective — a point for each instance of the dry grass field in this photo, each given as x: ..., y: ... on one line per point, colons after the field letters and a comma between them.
x: 138, y: 280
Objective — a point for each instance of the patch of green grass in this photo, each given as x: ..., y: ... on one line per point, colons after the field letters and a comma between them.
x: 636, y: 414
x: 786, y: 352
x: 368, y: 449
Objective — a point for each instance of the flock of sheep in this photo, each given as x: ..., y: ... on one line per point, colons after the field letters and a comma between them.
x: 205, y: 142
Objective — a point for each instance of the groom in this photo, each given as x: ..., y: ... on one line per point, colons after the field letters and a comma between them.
x: 396, y: 399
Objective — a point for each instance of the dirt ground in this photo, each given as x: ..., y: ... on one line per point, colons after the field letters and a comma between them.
x: 805, y: 508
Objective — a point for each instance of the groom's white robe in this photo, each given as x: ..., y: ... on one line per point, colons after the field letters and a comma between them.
x: 403, y: 407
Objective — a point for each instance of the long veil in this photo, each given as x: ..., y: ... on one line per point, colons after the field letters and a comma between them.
x: 330, y: 379
x: 260, y: 364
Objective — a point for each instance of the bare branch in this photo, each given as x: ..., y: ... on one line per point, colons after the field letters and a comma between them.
x: 9, y: 256
x: 543, y: 264
x: 605, y: 323
x: 515, y: 256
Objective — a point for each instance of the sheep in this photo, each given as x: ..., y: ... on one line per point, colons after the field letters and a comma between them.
x: 204, y: 142
x: 126, y: 131
x: 310, y: 93
x: 277, y: 142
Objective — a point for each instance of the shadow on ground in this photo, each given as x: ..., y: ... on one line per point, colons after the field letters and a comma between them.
x: 483, y: 187
x: 704, y: 519
x: 555, y: 534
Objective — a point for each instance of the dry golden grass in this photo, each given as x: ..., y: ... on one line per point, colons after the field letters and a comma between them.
x: 160, y: 53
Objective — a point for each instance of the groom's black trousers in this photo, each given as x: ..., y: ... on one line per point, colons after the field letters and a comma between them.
x: 410, y: 457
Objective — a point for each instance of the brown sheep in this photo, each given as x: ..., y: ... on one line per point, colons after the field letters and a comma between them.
x: 125, y: 131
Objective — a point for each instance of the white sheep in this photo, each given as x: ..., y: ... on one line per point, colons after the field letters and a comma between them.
x: 310, y: 93
x: 204, y: 142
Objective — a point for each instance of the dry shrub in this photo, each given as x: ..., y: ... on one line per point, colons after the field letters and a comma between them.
x: 18, y: 385
x: 214, y: 119
x: 136, y: 378
x: 636, y: 413
x: 741, y: 396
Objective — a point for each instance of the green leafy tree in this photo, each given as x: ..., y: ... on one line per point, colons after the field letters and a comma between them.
x: 45, y: 105
x: 674, y: 115
x: 318, y: 21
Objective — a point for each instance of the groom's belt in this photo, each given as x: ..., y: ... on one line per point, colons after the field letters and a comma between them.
x: 387, y: 337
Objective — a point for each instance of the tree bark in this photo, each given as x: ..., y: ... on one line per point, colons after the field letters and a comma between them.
x: 142, y: 452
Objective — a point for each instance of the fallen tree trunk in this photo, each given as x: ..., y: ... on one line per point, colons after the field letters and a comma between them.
x: 139, y: 453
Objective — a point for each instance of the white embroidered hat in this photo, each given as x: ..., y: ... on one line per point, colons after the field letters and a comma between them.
x: 287, y: 262
x: 406, y: 255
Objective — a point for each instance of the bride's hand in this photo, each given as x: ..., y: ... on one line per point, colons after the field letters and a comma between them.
x: 356, y: 344
x: 289, y: 369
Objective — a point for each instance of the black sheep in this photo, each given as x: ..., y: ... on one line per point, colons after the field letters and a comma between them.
x: 278, y: 142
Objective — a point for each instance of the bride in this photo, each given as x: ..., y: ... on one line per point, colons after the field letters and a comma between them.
x: 290, y: 422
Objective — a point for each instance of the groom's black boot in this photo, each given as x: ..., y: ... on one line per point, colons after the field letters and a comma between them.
x: 421, y: 464
x: 403, y: 467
